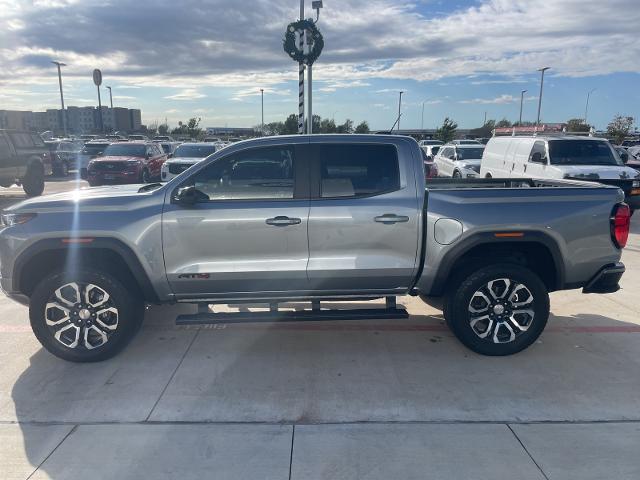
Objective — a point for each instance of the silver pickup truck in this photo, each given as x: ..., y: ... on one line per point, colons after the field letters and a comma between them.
x: 309, y: 218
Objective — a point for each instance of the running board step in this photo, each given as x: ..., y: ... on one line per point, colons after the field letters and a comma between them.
x: 204, y: 317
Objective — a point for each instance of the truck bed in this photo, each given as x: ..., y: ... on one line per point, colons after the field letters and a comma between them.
x: 452, y: 183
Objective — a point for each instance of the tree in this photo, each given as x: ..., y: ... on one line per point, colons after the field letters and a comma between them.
x: 577, y: 125
x: 274, y: 128
x: 163, y: 129
x: 484, y: 131
x: 619, y: 128
x: 504, y: 123
x: 447, y: 131
x: 290, y: 126
x: 346, y: 127
x: 363, y: 127
x: 327, y: 125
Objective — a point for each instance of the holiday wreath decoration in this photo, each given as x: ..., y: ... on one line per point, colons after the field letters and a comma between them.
x: 314, y: 40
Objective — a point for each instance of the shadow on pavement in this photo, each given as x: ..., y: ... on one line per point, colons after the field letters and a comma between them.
x: 383, y: 371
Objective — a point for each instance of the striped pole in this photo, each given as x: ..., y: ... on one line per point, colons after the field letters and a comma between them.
x: 301, y: 78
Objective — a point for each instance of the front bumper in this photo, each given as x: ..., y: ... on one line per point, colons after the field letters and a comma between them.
x: 127, y: 176
x: 606, y: 280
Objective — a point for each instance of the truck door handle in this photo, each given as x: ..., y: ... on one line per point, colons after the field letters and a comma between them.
x: 391, y: 218
x: 283, y: 221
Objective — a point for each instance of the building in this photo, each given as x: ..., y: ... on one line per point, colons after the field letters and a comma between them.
x: 79, y: 120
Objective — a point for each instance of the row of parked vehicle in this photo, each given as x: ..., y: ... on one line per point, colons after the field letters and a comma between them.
x: 540, y: 156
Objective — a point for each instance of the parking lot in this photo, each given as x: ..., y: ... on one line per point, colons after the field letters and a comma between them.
x: 378, y: 400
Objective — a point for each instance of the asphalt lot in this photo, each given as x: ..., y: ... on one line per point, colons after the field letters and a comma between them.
x: 377, y: 400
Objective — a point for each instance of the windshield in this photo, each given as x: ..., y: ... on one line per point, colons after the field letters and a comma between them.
x: 197, y: 151
x: 581, y: 152
x: 95, y: 149
x: 125, y: 150
x: 470, y: 153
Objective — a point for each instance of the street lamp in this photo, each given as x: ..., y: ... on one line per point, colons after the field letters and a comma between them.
x: 422, y: 122
x: 110, y: 98
x: 315, y: 5
x: 399, y: 108
x: 542, y: 70
x: 586, y: 109
x: 262, y: 103
x: 521, y: 102
x: 64, y: 115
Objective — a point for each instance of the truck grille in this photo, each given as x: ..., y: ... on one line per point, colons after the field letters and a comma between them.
x: 110, y: 166
x: 178, y: 168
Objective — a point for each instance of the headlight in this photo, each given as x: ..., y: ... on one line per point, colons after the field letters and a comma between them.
x: 10, y: 219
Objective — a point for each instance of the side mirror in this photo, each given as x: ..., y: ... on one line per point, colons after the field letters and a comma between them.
x: 624, y: 157
x: 188, y: 196
x: 149, y: 155
x: 170, y: 155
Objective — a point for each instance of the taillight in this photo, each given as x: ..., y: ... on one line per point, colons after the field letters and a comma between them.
x: 620, y: 224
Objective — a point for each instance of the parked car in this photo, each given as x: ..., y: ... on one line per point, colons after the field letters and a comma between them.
x: 310, y: 218
x: 89, y: 151
x: 132, y: 162
x: 431, y: 151
x: 560, y: 157
x: 212, y: 140
x: 115, y: 138
x: 89, y: 137
x: 185, y: 156
x: 24, y: 160
x: 459, y: 160
x: 426, y: 143
x: 430, y: 167
x: 64, y: 155
x: 466, y: 142
x: 169, y: 147
x: 162, y: 138
x: 138, y: 138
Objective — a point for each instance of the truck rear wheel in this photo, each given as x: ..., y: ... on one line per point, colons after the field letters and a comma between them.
x: 33, y: 181
x: 87, y: 316
x: 498, y: 310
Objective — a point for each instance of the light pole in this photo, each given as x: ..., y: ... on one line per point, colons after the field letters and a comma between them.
x: 399, y: 108
x: 422, y: 121
x: 262, y: 103
x: 521, y: 103
x: 110, y: 98
x: 586, y: 108
x: 316, y: 5
x: 64, y: 114
x: 542, y: 70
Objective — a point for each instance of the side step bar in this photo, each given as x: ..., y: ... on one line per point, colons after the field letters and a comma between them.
x: 205, y: 317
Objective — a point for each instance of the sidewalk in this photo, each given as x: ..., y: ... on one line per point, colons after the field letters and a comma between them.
x: 348, y: 451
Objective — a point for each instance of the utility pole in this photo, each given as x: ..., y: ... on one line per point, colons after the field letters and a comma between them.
x: 422, y: 121
x: 586, y: 108
x: 64, y: 114
x: 400, y: 108
x: 521, y: 103
x: 542, y: 70
x: 301, y: 78
x: 110, y: 98
x: 262, y: 121
x: 485, y: 119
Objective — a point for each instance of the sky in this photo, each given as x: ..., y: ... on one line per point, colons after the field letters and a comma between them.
x: 210, y: 58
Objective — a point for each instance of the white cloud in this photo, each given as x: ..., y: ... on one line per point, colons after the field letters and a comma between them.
x: 186, y: 94
x: 502, y: 99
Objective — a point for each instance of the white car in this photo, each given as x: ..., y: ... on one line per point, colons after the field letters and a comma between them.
x: 459, y: 161
x: 185, y: 156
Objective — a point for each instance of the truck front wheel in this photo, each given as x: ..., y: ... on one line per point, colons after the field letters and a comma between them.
x: 33, y: 181
x: 498, y: 309
x: 85, y: 316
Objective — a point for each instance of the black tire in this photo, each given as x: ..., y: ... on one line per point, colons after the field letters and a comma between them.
x: 457, y: 174
x: 118, y: 328
x: 62, y: 170
x: 488, y: 175
x: 458, y: 305
x: 33, y: 181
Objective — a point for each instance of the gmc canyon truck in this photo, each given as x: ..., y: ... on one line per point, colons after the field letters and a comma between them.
x: 309, y: 218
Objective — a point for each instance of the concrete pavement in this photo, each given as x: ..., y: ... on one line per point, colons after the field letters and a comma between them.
x: 393, y: 399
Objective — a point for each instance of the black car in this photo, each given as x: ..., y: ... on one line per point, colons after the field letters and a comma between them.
x: 24, y: 160
x: 64, y: 156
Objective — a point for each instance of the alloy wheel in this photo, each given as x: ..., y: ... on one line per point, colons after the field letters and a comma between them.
x: 501, y: 310
x: 81, y: 315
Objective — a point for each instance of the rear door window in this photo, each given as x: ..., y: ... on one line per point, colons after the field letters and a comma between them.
x: 352, y: 171
x: 21, y: 140
x: 5, y: 149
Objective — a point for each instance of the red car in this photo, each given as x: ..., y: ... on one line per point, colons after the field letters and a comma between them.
x: 132, y: 162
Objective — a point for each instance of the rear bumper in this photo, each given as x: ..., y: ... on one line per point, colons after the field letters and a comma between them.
x: 606, y: 280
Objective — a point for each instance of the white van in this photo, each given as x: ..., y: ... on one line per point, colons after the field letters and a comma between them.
x: 560, y: 157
